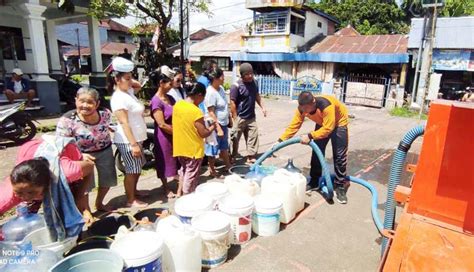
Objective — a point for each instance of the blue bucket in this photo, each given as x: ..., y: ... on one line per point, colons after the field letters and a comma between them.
x: 91, y: 260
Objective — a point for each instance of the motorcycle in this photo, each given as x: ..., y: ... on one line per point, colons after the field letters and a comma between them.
x: 15, y: 124
x: 148, y: 150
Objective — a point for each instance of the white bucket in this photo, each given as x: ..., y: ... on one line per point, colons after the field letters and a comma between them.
x: 215, y: 190
x: 41, y: 239
x: 214, y: 229
x: 140, y: 250
x: 183, y: 245
x: 190, y: 205
x: 266, y: 218
x: 239, y: 208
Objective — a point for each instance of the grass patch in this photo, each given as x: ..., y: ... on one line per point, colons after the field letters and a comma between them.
x: 407, y: 113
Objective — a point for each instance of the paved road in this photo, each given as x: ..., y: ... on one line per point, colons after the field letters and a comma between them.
x: 324, y: 237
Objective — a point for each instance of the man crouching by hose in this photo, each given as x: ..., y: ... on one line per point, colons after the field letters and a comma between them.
x: 331, y: 118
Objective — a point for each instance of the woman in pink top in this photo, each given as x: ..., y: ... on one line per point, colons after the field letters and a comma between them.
x: 78, y: 173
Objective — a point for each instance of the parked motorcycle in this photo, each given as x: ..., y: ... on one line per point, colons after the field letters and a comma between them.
x: 15, y: 124
x: 148, y: 150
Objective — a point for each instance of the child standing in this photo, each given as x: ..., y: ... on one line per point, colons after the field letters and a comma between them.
x: 189, y: 132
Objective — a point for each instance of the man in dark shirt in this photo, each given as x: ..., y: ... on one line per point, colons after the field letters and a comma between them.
x: 243, y: 96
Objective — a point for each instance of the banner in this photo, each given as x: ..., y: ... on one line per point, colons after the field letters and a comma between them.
x: 453, y: 60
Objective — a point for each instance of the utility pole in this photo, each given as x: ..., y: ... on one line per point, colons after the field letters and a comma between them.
x: 181, y: 37
x: 428, y: 40
x: 78, y: 51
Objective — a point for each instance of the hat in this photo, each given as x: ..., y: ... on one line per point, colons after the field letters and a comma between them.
x: 245, y: 68
x: 120, y: 64
x: 168, y: 72
x: 17, y: 71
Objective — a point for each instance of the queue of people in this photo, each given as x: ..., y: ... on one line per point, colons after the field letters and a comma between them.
x: 184, y: 116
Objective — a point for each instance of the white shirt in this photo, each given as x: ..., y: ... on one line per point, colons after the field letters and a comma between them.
x: 128, y: 101
x: 176, y: 94
x: 18, y: 87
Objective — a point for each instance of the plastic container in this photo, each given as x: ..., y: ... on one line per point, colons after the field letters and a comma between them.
x: 41, y: 239
x: 215, y: 190
x: 109, y: 225
x: 17, y: 228
x: 141, y: 251
x: 239, y: 208
x: 280, y: 188
x: 256, y: 176
x: 190, y: 205
x: 182, y: 245
x: 237, y: 185
x: 214, y: 228
x: 91, y: 260
x: 300, y: 182
x: 290, y: 167
x: 266, y: 217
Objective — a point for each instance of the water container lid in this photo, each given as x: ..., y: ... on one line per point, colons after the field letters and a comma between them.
x: 214, y: 221
x: 266, y: 202
x: 212, y: 188
x: 236, y: 203
x: 190, y: 205
x: 138, y: 248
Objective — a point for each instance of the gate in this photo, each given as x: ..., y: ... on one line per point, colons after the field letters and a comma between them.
x: 365, y: 90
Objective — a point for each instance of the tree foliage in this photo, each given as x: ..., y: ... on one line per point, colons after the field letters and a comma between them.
x: 149, y: 12
x: 385, y: 16
x: 366, y: 16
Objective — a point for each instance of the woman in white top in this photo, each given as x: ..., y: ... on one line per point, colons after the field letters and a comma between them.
x: 177, y: 92
x: 131, y: 129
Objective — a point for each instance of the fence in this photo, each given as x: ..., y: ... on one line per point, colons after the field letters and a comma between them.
x: 273, y: 85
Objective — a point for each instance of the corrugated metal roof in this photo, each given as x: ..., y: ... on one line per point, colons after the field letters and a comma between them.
x: 221, y: 45
x: 348, y: 40
x: 109, y: 48
x: 451, y: 33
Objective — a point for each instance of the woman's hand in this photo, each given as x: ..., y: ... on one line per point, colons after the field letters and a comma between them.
x: 87, y: 157
x: 136, y: 150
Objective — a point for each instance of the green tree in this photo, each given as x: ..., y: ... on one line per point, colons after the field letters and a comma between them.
x: 157, y: 12
x: 452, y: 8
x: 366, y: 16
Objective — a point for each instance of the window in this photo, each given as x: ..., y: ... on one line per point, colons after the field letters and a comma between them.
x: 273, y: 22
x: 223, y: 63
x: 11, y: 43
x: 297, y: 26
x: 320, y: 25
x: 121, y: 39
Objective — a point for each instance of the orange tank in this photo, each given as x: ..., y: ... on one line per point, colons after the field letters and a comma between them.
x: 435, y: 230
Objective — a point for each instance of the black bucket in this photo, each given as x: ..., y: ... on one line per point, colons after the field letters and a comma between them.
x: 240, y: 170
x: 109, y: 225
x: 150, y: 213
x: 90, y: 243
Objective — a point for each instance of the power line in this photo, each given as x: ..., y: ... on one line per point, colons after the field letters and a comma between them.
x: 214, y: 26
x: 229, y: 6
